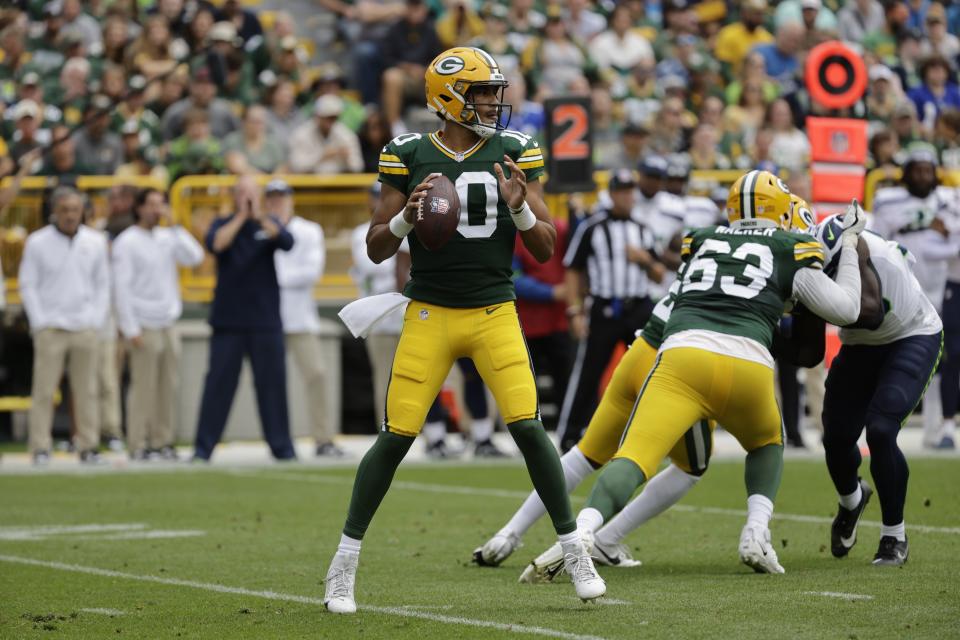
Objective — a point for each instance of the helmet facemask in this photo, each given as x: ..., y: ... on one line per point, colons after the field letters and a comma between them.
x: 470, y: 114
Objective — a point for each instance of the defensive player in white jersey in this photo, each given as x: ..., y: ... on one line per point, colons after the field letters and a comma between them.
x: 875, y: 382
x: 924, y: 217
x: 698, y: 211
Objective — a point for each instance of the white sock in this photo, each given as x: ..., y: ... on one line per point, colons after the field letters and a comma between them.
x: 575, y: 468
x: 590, y: 520
x: 568, y: 538
x: 949, y: 428
x: 850, y: 501
x: 898, y: 531
x: 482, y: 429
x: 434, y: 432
x: 349, y: 545
x: 932, y: 412
x: 759, y: 510
x: 663, y: 491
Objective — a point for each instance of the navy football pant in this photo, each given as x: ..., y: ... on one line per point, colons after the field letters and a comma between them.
x: 267, y: 359
x: 876, y: 387
x: 950, y: 367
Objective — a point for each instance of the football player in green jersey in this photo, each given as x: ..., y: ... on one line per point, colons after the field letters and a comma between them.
x: 462, y: 297
x: 715, y: 359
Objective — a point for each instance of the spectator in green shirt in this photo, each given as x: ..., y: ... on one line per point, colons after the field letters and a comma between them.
x: 196, y: 152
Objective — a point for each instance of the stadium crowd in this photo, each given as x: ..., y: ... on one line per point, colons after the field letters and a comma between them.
x: 185, y: 87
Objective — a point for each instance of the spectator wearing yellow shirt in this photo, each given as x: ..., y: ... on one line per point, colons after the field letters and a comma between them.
x: 736, y: 40
x: 459, y: 24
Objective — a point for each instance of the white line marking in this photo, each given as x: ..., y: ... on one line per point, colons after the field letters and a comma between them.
x: 106, y: 612
x: 158, y: 534
x: 43, y: 531
x: 503, y: 493
x: 837, y: 594
x: 273, y: 595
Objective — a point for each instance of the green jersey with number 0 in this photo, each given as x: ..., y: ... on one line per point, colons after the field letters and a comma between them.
x: 474, y: 269
x: 736, y: 281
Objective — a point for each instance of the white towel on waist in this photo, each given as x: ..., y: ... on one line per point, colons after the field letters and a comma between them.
x: 361, y: 315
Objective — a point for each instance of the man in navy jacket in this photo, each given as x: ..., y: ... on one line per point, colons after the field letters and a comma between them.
x: 245, y: 316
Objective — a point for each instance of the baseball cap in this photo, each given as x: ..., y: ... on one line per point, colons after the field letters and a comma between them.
x: 622, y: 179
x: 137, y: 83
x: 130, y: 128
x: 904, y: 109
x: 880, y: 72
x: 223, y: 32
x: 328, y: 106
x: 654, y: 166
x: 289, y: 43
x: 278, y: 186
x: 26, y: 109
x: 758, y: 5
x: 30, y: 78
x: 678, y: 166
x: 921, y: 152
x: 811, y: 4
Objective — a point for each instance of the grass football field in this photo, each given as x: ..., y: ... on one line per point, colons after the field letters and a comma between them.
x: 215, y: 553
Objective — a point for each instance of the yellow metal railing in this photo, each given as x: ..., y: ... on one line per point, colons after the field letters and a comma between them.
x: 339, y: 203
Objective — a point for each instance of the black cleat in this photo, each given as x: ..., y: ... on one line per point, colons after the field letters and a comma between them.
x: 892, y: 552
x: 440, y: 451
x: 843, y: 531
x: 486, y: 449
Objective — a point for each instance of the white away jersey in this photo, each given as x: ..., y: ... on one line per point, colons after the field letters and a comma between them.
x: 908, y: 311
x: 906, y: 219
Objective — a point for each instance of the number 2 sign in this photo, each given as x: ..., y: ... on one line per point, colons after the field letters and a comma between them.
x: 569, y: 145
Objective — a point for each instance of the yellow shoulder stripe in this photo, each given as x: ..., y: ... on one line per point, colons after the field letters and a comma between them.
x: 395, y: 170
x: 530, y: 163
x: 531, y: 152
x: 817, y: 254
x: 806, y: 246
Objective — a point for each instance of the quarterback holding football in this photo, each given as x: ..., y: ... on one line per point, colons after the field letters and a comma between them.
x: 460, y: 297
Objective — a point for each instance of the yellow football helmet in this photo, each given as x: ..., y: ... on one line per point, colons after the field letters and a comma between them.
x: 759, y: 195
x: 802, y: 219
x: 452, y: 75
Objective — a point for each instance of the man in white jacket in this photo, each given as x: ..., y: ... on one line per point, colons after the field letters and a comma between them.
x: 297, y: 273
x: 147, y: 294
x: 65, y: 287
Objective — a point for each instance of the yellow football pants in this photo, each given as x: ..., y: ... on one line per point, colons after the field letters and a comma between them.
x: 605, y: 431
x: 433, y: 337
x: 688, y: 385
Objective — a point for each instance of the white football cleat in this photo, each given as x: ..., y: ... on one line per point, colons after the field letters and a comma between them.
x: 496, y: 549
x: 756, y: 551
x: 579, y: 565
x: 545, y: 567
x: 340, y: 579
x: 615, y: 555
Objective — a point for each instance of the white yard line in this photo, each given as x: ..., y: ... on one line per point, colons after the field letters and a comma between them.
x: 157, y: 534
x: 837, y: 594
x: 105, y: 612
x: 43, y: 531
x: 286, y: 597
x: 315, y: 478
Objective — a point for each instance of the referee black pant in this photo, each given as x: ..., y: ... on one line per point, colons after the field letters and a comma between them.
x: 610, y: 322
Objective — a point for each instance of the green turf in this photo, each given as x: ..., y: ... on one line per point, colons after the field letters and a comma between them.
x: 275, y: 529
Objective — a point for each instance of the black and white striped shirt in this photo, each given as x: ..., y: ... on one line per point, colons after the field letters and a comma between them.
x: 599, y: 246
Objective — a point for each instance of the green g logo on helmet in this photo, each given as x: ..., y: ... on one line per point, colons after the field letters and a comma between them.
x: 449, y: 65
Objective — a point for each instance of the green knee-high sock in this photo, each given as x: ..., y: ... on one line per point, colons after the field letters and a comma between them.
x: 546, y: 472
x: 763, y: 470
x: 373, y: 479
x: 616, y: 483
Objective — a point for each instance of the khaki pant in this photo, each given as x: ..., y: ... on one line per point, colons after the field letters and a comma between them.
x: 108, y: 388
x: 305, y: 349
x: 380, y: 349
x: 153, y: 382
x: 51, y: 349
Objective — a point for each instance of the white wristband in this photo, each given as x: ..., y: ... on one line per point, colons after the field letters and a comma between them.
x: 399, y: 226
x: 523, y: 218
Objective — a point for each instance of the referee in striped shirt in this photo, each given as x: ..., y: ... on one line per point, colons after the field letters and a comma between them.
x: 610, y: 263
